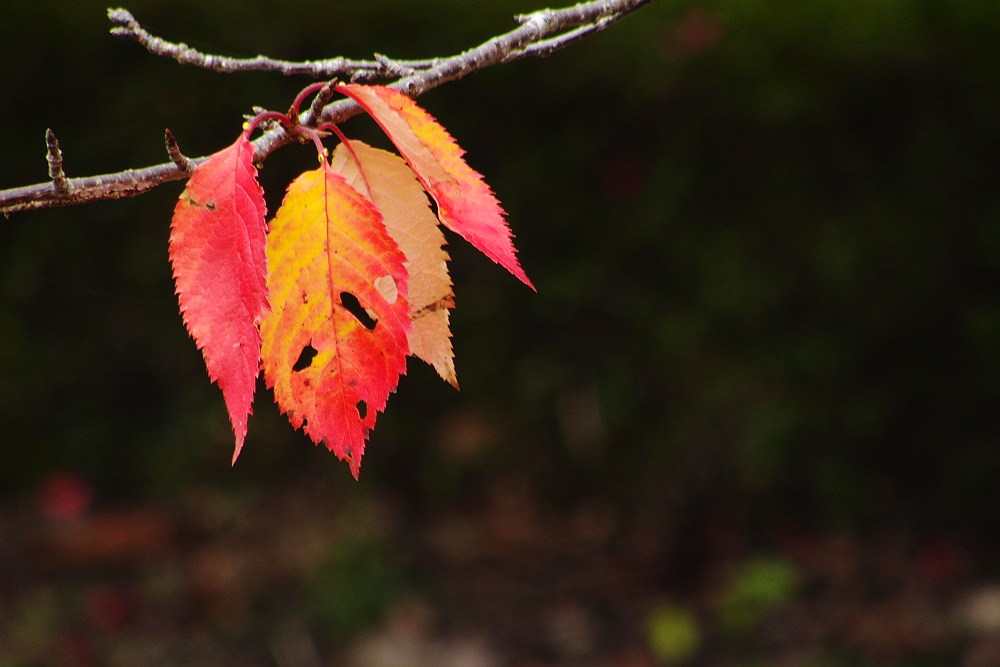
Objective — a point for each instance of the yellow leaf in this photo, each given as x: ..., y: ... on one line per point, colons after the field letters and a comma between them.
x: 335, y: 340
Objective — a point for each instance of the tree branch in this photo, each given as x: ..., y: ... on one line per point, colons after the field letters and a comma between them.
x: 539, y: 34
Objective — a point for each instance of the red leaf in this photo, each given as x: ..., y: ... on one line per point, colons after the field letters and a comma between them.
x: 466, y: 205
x: 335, y: 339
x: 217, y: 242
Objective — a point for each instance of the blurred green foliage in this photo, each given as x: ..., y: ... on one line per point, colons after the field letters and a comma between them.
x: 674, y: 635
x: 352, y: 590
x: 759, y: 587
x: 764, y: 238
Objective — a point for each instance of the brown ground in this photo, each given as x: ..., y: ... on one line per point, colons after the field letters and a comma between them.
x: 292, y: 577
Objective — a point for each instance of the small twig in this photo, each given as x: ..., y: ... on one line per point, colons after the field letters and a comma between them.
x: 546, y: 47
x: 53, y: 155
x: 555, y: 28
x: 174, y: 151
x: 394, y: 68
x: 127, y: 27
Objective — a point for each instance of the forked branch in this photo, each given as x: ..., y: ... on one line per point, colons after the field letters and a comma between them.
x: 538, y: 34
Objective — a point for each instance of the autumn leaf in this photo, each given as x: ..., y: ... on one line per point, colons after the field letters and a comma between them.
x: 466, y: 204
x: 335, y: 339
x: 358, y: 272
x: 413, y: 226
x: 217, y: 240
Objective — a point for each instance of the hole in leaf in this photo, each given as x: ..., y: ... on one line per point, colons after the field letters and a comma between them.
x: 305, y: 358
x: 354, y: 307
x: 362, y: 409
x: 387, y: 289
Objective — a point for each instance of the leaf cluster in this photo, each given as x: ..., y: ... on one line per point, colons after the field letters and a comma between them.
x: 348, y: 278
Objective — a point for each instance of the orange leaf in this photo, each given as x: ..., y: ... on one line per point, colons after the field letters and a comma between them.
x: 217, y: 239
x: 411, y: 224
x: 335, y: 340
x: 466, y: 205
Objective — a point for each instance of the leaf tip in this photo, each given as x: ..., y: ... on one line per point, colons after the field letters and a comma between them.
x: 523, y: 277
x: 509, y: 261
x: 353, y: 459
x: 236, y: 452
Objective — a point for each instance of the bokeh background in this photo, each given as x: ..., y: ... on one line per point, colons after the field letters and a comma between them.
x: 749, y: 418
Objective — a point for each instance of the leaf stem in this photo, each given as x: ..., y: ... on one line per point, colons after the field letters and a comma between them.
x: 293, y: 111
x: 253, y: 123
x: 354, y: 156
x: 309, y: 132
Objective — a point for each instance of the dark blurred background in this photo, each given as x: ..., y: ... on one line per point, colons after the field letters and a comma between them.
x: 749, y: 418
